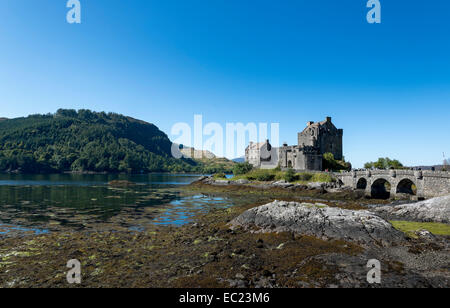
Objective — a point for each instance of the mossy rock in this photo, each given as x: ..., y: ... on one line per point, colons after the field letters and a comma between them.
x: 120, y: 183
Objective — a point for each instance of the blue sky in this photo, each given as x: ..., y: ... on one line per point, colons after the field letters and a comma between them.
x: 290, y: 62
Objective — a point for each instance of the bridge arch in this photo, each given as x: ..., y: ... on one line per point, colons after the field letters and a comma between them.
x: 362, y: 184
x: 406, y: 186
x: 427, y: 184
x: 381, y: 189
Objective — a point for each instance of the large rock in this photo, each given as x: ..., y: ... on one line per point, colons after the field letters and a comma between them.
x: 432, y: 210
x: 242, y: 182
x: 320, y: 221
x: 282, y: 184
x: 221, y: 182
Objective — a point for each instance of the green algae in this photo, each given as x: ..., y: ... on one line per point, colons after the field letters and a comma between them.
x: 163, y: 256
x: 410, y: 227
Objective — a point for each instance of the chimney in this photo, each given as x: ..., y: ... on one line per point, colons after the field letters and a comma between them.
x: 328, y: 119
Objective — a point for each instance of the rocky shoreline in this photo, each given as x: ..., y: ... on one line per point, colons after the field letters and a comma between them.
x: 432, y: 210
x: 295, y: 242
x: 329, y: 187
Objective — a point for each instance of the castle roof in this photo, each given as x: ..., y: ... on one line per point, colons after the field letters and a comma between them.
x: 318, y: 124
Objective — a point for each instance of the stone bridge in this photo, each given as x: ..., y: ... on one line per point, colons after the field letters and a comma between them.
x: 386, y: 184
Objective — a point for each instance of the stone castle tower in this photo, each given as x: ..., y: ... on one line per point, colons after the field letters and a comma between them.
x: 324, y: 136
x: 314, y: 141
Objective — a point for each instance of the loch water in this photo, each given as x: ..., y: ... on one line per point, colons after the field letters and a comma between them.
x: 36, y: 204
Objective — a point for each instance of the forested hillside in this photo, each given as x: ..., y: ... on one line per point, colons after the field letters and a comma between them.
x: 86, y: 141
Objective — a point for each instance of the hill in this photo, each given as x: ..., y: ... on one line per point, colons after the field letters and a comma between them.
x: 209, y: 162
x: 239, y: 159
x: 86, y: 141
x: 197, y: 154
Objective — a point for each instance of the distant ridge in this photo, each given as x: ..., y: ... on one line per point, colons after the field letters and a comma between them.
x: 197, y: 154
x: 239, y: 160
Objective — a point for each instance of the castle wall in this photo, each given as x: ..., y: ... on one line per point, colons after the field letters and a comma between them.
x: 332, y: 144
x: 313, y: 162
x: 253, y: 156
x: 315, y: 140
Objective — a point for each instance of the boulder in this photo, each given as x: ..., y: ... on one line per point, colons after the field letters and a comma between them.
x: 242, y: 182
x: 432, y: 210
x: 282, y: 184
x: 316, y: 185
x: 204, y: 180
x: 221, y: 182
x: 121, y: 183
x: 320, y: 221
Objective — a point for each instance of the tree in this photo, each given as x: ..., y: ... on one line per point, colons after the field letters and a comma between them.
x: 83, y: 140
x: 384, y: 163
x: 330, y: 163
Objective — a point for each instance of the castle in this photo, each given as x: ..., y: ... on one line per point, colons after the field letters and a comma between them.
x: 314, y: 141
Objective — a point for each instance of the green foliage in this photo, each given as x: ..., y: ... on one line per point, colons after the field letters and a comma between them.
x: 290, y: 175
x: 305, y: 177
x: 329, y: 163
x: 215, y: 165
x: 220, y: 176
x: 86, y: 141
x: 322, y: 178
x: 267, y: 175
x: 384, y: 163
x: 278, y: 168
x: 263, y: 175
x: 242, y: 168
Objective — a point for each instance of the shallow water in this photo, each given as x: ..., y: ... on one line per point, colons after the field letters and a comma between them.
x: 45, y: 203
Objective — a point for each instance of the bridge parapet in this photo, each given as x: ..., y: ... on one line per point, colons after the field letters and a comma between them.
x: 443, y: 174
x: 428, y: 183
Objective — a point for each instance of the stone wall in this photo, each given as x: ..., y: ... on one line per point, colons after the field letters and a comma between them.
x: 429, y: 183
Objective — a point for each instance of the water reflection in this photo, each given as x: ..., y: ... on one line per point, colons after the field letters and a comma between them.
x: 184, y: 209
x: 43, y: 203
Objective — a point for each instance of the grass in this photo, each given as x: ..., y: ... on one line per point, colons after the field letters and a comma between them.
x: 409, y: 227
x: 267, y: 175
x: 304, y: 178
x: 263, y: 175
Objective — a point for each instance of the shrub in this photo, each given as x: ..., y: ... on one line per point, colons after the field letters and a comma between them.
x: 242, y: 168
x: 265, y: 177
x: 290, y: 175
x: 322, y: 178
x: 220, y: 176
x: 262, y: 175
x: 329, y: 162
x: 306, y: 177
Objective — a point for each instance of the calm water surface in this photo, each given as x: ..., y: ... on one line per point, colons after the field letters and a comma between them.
x: 45, y: 203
